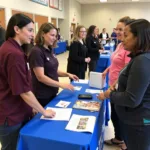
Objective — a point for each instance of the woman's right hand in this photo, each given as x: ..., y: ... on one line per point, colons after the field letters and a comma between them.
x: 87, y: 60
x: 49, y: 113
x: 67, y: 86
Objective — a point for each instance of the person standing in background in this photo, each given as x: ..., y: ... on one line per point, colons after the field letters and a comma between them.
x: 104, y: 37
x: 93, y: 46
x: 58, y: 37
x: 2, y: 35
x: 114, y: 37
x: 77, y: 60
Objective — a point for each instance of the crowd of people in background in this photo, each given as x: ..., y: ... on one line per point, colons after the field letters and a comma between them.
x: 25, y: 61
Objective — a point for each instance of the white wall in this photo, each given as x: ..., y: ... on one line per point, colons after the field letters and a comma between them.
x: 75, y: 12
x: 64, y: 24
x: 107, y: 15
x: 72, y: 14
x: 30, y: 7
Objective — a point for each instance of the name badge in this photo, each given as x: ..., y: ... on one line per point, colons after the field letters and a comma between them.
x: 116, y: 86
x: 48, y: 58
x: 28, y: 66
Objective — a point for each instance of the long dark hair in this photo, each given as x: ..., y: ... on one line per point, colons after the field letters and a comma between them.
x: 91, y: 30
x: 140, y: 28
x: 19, y: 20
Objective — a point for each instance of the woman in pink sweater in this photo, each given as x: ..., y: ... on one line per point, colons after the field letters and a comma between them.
x: 119, y: 60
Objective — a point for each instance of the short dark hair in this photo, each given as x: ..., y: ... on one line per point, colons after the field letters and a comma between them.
x: 140, y: 28
x: 19, y: 20
x: 125, y: 20
x: 91, y: 30
x: 45, y: 28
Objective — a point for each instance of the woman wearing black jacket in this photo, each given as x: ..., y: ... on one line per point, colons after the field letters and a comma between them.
x: 93, y: 46
x: 77, y: 60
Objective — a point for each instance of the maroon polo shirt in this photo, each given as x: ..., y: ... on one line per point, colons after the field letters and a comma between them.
x: 14, y: 80
x: 42, y: 57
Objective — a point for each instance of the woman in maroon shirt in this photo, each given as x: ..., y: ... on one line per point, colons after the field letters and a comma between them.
x: 16, y: 98
x: 44, y: 66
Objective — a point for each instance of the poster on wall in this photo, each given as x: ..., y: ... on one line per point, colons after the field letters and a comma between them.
x: 60, y: 4
x: 54, y: 3
x: 42, y: 2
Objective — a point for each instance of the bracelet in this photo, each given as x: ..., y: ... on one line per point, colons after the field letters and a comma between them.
x: 111, y: 89
x: 105, y: 95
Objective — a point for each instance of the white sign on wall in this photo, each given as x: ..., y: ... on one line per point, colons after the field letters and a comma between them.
x: 60, y: 4
x: 43, y: 2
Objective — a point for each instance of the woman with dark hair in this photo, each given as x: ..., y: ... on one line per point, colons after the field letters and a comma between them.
x: 132, y: 97
x: 16, y: 98
x: 93, y: 46
x: 44, y: 66
x: 77, y: 60
x: 119, y: 59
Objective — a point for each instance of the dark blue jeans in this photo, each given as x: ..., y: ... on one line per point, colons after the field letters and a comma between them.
x: 116, y: 123
x: 9, y: 136
x: 136, y: 137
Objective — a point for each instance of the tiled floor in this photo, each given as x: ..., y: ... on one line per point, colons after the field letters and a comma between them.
x: 62, y: 58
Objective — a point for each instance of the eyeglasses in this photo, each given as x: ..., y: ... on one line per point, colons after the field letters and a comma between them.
x: 82, y: 31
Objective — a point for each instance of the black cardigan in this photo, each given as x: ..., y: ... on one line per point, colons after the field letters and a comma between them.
x: 76, y: 59
x: 93, y: 47
x: 100, y: 36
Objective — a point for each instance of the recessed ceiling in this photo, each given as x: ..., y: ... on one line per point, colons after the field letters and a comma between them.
x: 109, y: 1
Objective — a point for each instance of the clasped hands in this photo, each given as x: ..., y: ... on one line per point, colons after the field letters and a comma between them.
x: 106, y: 94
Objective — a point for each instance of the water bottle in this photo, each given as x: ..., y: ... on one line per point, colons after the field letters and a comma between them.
x: 112, y: 47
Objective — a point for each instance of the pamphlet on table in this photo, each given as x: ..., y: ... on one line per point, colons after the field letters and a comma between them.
x: 77, y: 88
x: 87, y: 105
x: 63, y: 104
x: 81, y: 123
x: 93, y: 91
x: 62, y: 114
x: 82, y: 81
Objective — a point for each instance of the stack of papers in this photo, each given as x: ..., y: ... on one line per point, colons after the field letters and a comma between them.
x: 62, y: 114
x: 93, y: 91
x: 81, y: 123
x: 82, y: 81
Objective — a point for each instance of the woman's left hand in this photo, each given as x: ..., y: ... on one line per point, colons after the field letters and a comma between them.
x: 107, y: 93
x: 101, y: 96
x: 104, y: 95
x: 72, y: 76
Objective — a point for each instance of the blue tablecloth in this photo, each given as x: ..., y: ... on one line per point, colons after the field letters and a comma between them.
x: 61, y: 47
x: 107, y: 47
x: 44, y: 135
x: 103, y: 63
